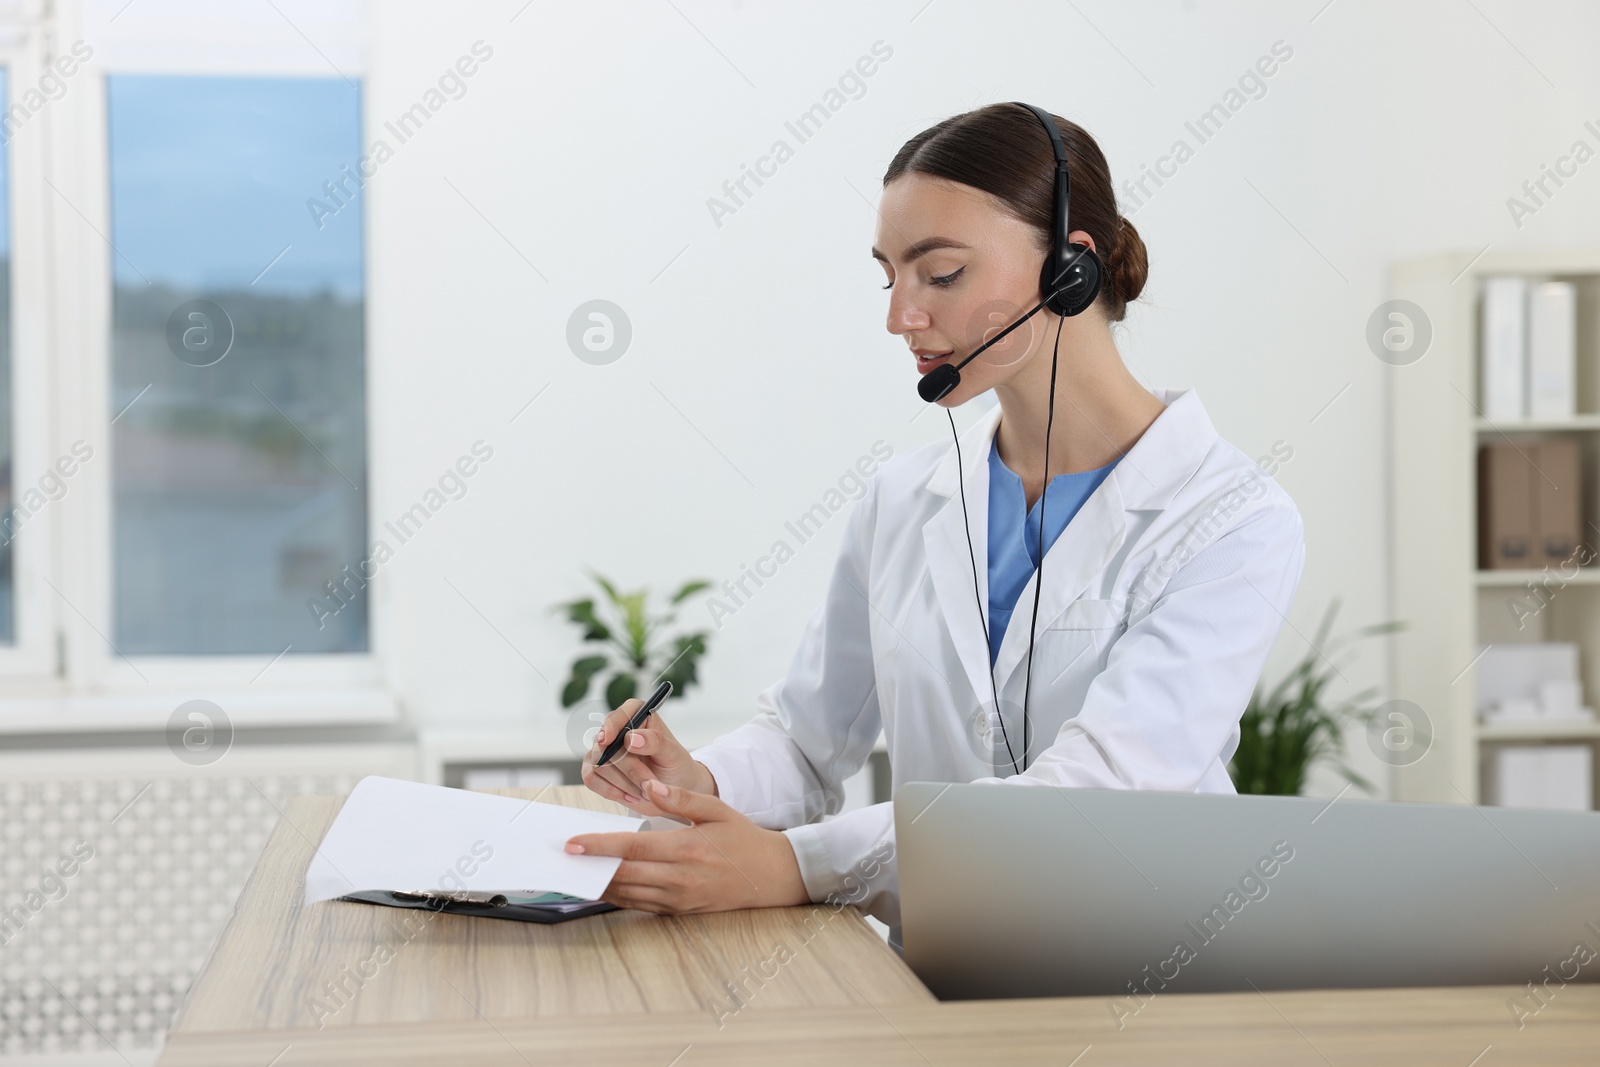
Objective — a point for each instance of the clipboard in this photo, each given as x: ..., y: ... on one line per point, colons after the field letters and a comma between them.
x: 402, y: 844
x: 531, y: 907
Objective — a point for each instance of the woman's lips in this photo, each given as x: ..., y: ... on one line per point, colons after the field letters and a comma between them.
x: 924, y: 365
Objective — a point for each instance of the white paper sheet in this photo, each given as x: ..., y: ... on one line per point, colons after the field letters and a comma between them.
x: 407, y: 836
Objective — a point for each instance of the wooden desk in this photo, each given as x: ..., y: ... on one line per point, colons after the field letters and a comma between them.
x: 631, y: 988
x: 338, y: 964
x: 1404, y: 1027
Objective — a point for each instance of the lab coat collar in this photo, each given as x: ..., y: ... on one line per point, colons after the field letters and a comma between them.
x: 1168, y: 453
x: 1148, y: 476
x: 1164, y: 458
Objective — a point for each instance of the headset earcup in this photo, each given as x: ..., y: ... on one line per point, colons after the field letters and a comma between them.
x: 1083, y: 276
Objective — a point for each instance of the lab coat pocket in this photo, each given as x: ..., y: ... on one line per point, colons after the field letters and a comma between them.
x: 1080, y: 639
x: 1087, y: 614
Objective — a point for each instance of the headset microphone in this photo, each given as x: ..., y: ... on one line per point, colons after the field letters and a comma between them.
x: 937, y: 383
x: 1069, y: 282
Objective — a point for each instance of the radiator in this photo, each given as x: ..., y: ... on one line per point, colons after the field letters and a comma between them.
x: 118, y: 871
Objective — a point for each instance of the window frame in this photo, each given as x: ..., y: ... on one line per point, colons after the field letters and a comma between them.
x: 33, y: 657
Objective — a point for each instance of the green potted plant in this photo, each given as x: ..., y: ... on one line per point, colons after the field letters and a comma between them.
x: 635, y: 644
x: 1286, y: 731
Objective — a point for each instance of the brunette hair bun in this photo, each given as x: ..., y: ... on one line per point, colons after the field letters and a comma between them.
x: 1128, y: 264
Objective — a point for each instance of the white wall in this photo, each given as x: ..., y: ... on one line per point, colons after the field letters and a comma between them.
x: 593, y: 137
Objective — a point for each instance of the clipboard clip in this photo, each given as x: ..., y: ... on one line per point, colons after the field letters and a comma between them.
x: 489, y: 900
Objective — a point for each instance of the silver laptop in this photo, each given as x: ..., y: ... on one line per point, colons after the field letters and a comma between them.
x: 1020, y: 891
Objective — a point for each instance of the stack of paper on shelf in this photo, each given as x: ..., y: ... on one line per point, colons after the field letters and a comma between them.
x: 1537, y: 681
x: 1544, y: 776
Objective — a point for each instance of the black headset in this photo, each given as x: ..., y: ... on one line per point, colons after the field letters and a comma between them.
x: 1072, y: 272
x: 1068, y: 283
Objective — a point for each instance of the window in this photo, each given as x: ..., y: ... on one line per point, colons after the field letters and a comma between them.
x: 239, y: 434
x: 185, y: 335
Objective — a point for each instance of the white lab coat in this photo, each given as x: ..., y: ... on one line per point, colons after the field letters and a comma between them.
x: 1161, y: 600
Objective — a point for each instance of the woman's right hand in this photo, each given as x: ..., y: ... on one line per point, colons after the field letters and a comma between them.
x: 650, y: 752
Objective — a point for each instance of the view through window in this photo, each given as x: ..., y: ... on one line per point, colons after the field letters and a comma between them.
x: 238, y: 365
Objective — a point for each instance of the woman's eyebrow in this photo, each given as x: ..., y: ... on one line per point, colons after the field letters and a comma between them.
x: 929, y: 244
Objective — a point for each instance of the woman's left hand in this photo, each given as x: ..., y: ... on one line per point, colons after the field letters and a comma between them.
x: 721, y: 862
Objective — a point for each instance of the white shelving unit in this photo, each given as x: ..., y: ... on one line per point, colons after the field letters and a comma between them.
x: 1452, y: 608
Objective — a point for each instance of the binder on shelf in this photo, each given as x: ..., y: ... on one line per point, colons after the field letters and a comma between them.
x: 1505, y: 508
x: 1558, y: 503
x: 1530, y: 504
x: 1552, y: 350
x: 1504, y: 357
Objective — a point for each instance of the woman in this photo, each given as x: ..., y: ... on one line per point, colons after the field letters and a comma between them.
x: 1172, y: 561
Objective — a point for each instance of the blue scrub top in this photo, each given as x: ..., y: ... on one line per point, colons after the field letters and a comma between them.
x: 1014, y: 541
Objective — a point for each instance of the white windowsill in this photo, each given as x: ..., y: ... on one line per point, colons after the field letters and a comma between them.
x: 151, y: 708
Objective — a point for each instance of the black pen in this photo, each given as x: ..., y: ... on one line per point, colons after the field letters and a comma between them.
x: 634, y: 723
